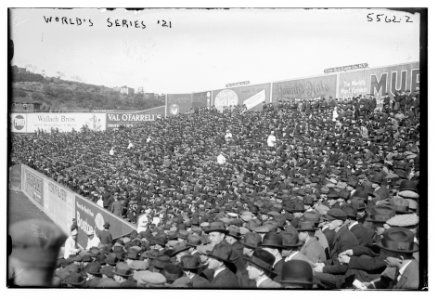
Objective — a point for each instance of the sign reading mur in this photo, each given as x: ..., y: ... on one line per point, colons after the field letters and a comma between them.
x: 379, y: 81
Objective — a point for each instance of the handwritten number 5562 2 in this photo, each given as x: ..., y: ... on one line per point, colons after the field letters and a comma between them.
x: 371, y: 17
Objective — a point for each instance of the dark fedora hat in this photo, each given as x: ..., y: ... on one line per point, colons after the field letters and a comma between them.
x: 350, y: 210
x: 306, y: 226
x: 75, y: 279
x: 312, y: 216
x: 160, y: 261
x: 180, y: 247
x: 381, y: 214
x: 290, y: 239
x: 172, y: 272
x: 297, y: 272
x: 262, y: 259
x: 398, y: 239
x: 377, y: 178
x: 336, y: 214
x: 408, y: 185
x: 122, y: 269
x: 193, y: 240
x: 272, y: 240
x: 190, y: 262
x: 93, y: 268
x: 220, y: 252
x: 216, y: 226
x: 252, y: 240
x: 295, y: 205
x: 133, y: 253
x: 234, y: 231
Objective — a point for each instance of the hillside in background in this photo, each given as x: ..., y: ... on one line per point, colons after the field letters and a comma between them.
x: 58, y: 95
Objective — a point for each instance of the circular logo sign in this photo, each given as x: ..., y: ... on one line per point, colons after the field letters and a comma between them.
x: 174, y: 109
x: 99, y: 221
x: 225, y: 98
x: 19, y: 122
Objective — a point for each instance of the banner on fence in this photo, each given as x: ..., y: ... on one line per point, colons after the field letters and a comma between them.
x: 378, y: 81
x: 65, y: 122
x: 32, y: 185
x: 89, y: 216
x: 307, y: 88
x: 130, y: 119
x: 253, y: 96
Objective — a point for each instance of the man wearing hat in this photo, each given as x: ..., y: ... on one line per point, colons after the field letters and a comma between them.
x: 93, y: 274
x: 330, y: 273
x: 403, y: 270
x: 259, y: 267
x: 191, y: 265
x: 122, y: 275
x: 311, y: 248
x: 35, y: 248
x: 273, y: 243
x: 133, y: 259
x: 105, y: 236
x: 216, y: 234
x: 218, y: 259
x: 364, y: 235
x: 71, y: 247
x: 291, y: 246
x: 380, y: 190
x: 93, y: 240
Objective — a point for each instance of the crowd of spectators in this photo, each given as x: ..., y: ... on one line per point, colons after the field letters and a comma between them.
x: 332, y: 183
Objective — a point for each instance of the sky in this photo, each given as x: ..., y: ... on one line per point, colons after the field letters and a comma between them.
x: 206, y: 49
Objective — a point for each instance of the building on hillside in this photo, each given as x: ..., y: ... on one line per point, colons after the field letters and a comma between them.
x: 26, y: 107
x: 127, y: 90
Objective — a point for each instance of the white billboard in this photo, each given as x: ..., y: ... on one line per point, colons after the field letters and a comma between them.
x: 65, y: 122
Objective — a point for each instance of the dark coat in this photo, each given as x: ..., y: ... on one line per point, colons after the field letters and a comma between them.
x: 363, y: 234
x: 105, y: 237
x: 344, y: 239
x: 225, y: 279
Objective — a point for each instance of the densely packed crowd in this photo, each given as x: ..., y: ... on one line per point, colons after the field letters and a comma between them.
x: 303, y: 194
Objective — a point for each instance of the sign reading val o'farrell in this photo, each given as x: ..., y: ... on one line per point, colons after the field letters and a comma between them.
x: 89, y: 216
x: 131, y: 119
x: 33, y: 186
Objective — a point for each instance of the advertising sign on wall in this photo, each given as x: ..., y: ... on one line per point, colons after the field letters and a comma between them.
x: 18, y: 123
x: 32, y: 186
x: 201, y: 99
x: 178, y: 104
x: 89, y: 216
x: 65, y: 122
x: 308, y: 88
x: 130, y: 119
x: 379, y: 81
x: 56, y: 204
x: 252, y: 96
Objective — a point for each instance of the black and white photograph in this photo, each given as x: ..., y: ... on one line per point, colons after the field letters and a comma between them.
x: 217, y: 148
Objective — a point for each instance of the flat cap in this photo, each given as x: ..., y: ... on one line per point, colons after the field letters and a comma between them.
x: 36, y: 242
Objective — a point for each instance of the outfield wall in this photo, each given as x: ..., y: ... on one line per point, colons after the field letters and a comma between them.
x: 61, y: 205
